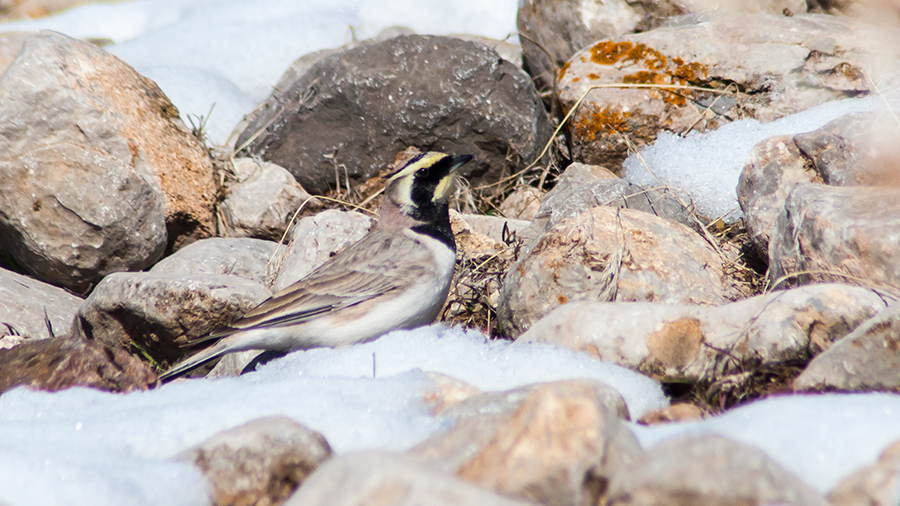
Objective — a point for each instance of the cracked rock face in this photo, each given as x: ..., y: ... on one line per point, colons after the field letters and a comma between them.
x: 353, y: 110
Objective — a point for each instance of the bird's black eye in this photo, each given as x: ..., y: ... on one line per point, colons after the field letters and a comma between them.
x: 422, y: 172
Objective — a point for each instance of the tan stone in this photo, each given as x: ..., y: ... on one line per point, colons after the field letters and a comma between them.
x: 877, y: 484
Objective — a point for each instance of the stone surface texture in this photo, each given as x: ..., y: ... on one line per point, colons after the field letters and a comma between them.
x: 261, y: 462
x: 678, y: 342
x: 874, y: 485
x: 114, y: 176
x: 385, y: 479
x: 558, y: 447
x: 262, y: 200
x: 707, y: 470
x: 26, y: 304
x: 779, y: 65
x: 243, y: 257
x: 59, y: 363
x: 157, y: 314
x: 607, y: 254
x: 866, y: 359
x: 351, y: 112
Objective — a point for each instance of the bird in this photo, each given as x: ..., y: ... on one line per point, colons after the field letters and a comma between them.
x: 396, y: 277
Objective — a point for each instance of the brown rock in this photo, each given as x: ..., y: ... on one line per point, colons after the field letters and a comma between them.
x: 113, y: 173
x: 607, y: 254
x: 674, y: 413
x: 557, y: 448
x: 866, y: 359
x: 765, y: 56
x: 60, y: 363
x: 522, y: 204
x: 707, y: 470
x: 354, y: 110
x: 259, y: 463
x: 874, y: 485
x: 384, y: 479
x: 689, y: 343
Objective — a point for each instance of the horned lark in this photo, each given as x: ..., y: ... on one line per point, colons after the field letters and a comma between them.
x: 395, y: 277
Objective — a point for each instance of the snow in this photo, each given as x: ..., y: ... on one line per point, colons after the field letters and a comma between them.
x: 707, y: 166
x: 82, y: 446
x: 819, y: 438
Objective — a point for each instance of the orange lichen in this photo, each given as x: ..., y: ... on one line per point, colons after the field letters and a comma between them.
x: 645, y: 77
x: 591, y: 123
x: 649, y: 57
x: 609, y: 53
x: 562, y: 71
x: 593, y: 76
x: 691, y: 72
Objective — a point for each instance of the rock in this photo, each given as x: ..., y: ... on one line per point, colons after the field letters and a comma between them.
x: 866, y: 359
x: 558, y: 446
x: 563, y: 27
x: 242, y: 257
x: 314, y: 240
x: 113, y: 174
x: 708, y: 470
x: 522, y: 204
x: 766, y: 57
x: 828, y: 233
x: 509, y: 401
x: 388, y: 480
x: 582, y: 187
x: 688, y: 343
x: 263, y: 200
x: 675, y: 413
x: 874, y: 485
x: 854, y: 150
x: 354, y: 110
x: 59, y: 363
x: 26, y: 305
x: 261, y: 462
x: 607, y: 254
x: 158, y: 314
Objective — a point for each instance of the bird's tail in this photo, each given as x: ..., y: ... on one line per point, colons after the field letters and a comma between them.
x: 195, y: 361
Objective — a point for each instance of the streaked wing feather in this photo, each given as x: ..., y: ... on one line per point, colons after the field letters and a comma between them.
x: 376, y: 266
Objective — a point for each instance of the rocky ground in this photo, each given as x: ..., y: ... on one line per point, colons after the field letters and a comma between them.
x: 124, y: 234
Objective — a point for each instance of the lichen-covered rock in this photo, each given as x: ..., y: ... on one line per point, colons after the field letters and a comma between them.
x: 608, y: 254
x: 779, y: 65
x: 99, y: 174
x: 352, y: 111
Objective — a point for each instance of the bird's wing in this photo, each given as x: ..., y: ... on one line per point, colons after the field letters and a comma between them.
x: 376, y: 266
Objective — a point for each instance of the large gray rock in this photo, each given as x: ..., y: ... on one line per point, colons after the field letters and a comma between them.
x: 866, y: 359
x: 98, y: 173
x: 352, y: 112
x: 26, y: 304
x: 707, y: 470
x: 689, y: 343
x: 262, y: 201
x: 385, y: 479
x: 554, y: 443
x: 829, y: 233
x: 857, y: 149
x: 156, y: 314
x: 261, y: 462
x: 608, y: 254
x: 781, y: 65
x: 245, y: 258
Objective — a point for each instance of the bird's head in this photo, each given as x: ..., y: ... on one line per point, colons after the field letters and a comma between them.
x: 419, y: 188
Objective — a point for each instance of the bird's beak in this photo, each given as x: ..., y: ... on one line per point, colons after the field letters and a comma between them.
x: 459, y: 161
